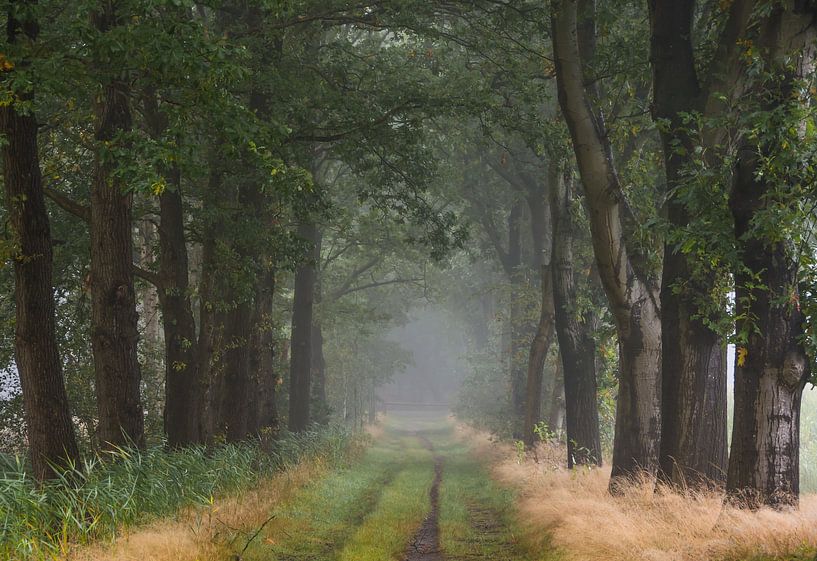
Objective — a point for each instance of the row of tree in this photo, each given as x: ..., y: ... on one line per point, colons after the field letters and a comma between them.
x: 691, y: 138
x: 640, y: 172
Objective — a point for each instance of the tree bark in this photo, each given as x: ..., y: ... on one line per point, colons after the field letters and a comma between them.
x: 183, y: 386
x: 518, y: 328
x: 536, y: 358
x: 772, y: 366
x: 301, y: 354
x: 50, y: 432
x: 632, y: 292
x: 540, y: 234
x: 237, y: 401
x: 262, y: 357
x: 577, y: 346
x: 693, y: 397
x: 320, y: 406
x: 764, y: 463
x: 114, y: 332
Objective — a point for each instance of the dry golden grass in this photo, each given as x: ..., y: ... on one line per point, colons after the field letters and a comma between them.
x: 586, y: 523
x: 201, y: 534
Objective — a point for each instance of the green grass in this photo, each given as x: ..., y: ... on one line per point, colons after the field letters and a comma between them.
x: 365, y: 511
x: 130, y: 487
x: 370, y: 511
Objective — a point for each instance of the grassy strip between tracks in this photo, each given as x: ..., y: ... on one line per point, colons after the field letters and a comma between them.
x: 367, y: 511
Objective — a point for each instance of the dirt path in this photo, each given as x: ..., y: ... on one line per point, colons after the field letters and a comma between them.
x: 425, y: 545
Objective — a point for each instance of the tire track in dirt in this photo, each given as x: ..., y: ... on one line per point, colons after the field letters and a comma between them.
x: 425, y: 545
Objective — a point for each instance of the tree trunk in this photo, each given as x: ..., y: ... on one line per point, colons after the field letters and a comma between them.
x: 237, y: 401
x: 320, y: 406
x: 632, y: 292
x: 183, y: 387
x: 693, y: 396
x: 576, y: 344
x: 536, y: 359
x: 518, y: 328
x: 556, y: 399
x: 769, y: 379
x: 50, y: 432
x: 262, y: 357
x: 301, y: 358
x: 114, y: 332
x: 771, y: 366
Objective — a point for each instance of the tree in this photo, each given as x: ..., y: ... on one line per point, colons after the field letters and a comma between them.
x: 631, y: 287
x: 577, y: 346
x: 693, y: 403
x: 301, y: 348
x: 114, y: 332
x: 772, y: 364
x: 49, y: 428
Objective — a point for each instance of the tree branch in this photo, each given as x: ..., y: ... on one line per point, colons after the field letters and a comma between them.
x: 68, y: 204
x: 84, y: 213
x: 337, y: 296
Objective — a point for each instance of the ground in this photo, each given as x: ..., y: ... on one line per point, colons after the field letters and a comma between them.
x: 416, y: 494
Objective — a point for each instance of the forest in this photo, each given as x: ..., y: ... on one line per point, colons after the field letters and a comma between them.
x: 408, y: 280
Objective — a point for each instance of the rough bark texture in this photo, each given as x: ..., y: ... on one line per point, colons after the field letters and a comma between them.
x: 114, y: 333
x: 183, y: 387
x: 576, y: 344
x: 301, y: 347
x: 632, y: 293
x: 693, y: 398
x: 50, y: 432
x: 764, y: 461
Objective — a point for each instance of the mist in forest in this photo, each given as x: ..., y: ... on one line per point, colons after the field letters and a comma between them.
x: 437, y: 368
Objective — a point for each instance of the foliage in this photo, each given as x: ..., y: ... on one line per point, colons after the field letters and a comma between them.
x: 127, y: 486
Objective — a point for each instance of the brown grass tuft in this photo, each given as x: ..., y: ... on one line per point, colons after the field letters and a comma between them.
x: 585, y: 522
x: 201, y: 534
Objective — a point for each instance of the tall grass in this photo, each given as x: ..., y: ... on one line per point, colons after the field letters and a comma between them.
x: 126, y: 487
x: 573, y: 511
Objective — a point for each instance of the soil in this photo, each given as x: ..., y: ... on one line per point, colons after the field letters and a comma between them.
x: 425, y: 545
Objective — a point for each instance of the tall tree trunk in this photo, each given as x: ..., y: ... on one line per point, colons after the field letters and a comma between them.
x: 769, y: 378
x: 114, y: 332
x: 50, y: 432
x: 320, y: 405
x: 556, y: 399
x: 693, y: 396
x: 211, y: 315
x: 518, y: 327
x: 771, y: 366
x: 183, y: 387
x: 540, y: 235
x: 632, y: 292
x: 237, y: 401
x: 577, y: 346
x: 263, y: 355
x: 301, y: 358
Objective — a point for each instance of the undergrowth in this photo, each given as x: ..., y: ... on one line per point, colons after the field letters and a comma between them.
x: 118, y: 489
